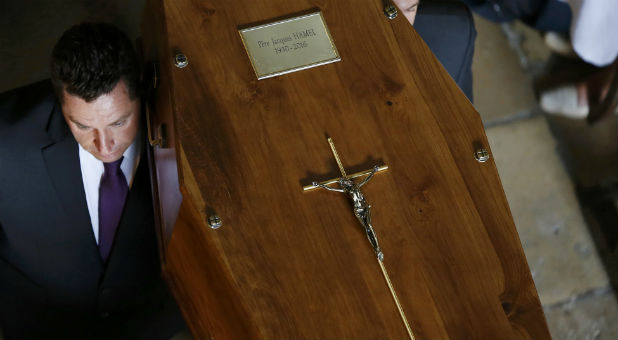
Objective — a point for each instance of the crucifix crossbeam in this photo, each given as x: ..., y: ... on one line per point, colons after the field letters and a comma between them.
x: 336, y: 180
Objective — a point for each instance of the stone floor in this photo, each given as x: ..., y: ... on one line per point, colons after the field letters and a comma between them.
x: 569, y: 274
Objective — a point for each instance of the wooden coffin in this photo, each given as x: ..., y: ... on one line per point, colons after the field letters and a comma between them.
x: 292, y: 264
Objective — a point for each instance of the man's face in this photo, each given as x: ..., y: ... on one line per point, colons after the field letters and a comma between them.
x: 105, y: 127
x: 408, y: 7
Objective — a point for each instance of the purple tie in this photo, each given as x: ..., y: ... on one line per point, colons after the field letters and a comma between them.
x: 112, y: 196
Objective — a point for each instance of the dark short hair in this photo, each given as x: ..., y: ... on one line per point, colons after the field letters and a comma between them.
x: 90, y: 59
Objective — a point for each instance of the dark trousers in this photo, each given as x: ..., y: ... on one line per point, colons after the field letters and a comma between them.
x: 447, y: 27
x: 543, y: 15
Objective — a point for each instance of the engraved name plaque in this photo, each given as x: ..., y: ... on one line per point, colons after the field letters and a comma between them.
x: 289, y: 45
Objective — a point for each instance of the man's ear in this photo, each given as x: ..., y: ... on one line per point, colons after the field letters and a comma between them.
x: 145, y: 86
x: 149, y: 81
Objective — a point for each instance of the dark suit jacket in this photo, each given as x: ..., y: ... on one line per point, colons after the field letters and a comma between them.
x: 52, y: 280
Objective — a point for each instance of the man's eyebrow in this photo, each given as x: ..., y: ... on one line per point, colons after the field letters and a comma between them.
x: 121, y: 118
x: 76, y: 122
x: 411, y: 7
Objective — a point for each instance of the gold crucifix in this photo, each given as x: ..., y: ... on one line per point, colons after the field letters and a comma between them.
x: 362, y: 211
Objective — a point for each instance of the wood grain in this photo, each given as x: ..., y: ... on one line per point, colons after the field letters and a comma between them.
x: 289, y: 264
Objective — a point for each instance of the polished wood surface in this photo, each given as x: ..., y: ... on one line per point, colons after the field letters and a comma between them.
x: 294, y: 264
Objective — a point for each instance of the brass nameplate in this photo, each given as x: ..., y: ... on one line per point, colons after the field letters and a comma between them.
x: 289, y: 45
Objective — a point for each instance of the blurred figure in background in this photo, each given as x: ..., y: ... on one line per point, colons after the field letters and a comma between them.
x: 579, y: 80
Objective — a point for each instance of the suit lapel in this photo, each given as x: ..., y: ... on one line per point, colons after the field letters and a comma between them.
x: 61, y: 159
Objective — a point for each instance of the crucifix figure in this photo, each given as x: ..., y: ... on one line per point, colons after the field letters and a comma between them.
x: 362, y: 210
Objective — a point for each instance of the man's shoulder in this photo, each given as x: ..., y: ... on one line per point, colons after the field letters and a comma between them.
x: 27, y: 104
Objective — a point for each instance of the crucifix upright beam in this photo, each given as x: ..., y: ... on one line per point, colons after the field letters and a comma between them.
x: 362, y: 211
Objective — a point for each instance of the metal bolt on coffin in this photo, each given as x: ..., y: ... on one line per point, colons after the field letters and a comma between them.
x: 214, y: 221
x: 180, y: 60
x: 481, y: 155
x: 390, y: 11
